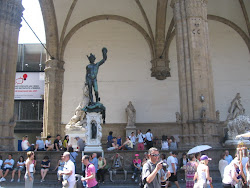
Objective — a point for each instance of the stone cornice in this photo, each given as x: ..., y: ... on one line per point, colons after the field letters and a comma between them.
x: 11, y: 12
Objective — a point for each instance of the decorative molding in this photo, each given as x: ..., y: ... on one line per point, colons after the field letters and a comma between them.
x: 50, y: 26
x: 66, y: 23
x: 233, y: 26
x: 11, y: 12
x: 145, y: 19
x: 243, y: 7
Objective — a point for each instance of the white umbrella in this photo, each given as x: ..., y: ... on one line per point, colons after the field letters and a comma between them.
x: 243, y: 135
x: 198, y: 149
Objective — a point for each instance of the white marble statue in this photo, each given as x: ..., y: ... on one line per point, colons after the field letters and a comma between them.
x: 235, y: 108
x: 79, y: 116
x: 131, y: 114
x: 239, y: 125
x: 237, y: 121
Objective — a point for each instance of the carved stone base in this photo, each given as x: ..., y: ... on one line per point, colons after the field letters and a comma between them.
x: 234, y: 143
x: 74, y: 131
x: 198, y: 133
x: 93, y: 134
x: 129, y: 130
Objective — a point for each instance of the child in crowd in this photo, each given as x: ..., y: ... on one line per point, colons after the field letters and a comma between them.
x: 19, y: 167
x: 59, y: 167
x: 136, y: 166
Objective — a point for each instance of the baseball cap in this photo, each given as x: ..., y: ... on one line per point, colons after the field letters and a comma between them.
x: 137, y: 155
x: 76, y: 137
x: 205, y: 157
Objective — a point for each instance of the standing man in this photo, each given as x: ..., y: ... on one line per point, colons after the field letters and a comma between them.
x: 91, y: 74
x: 68, y: 171
x: 172, y: 167
x: 90, y: 173
x: 228, y: 157
x: 80, y: 143
x: 140, y: 140
x: 151, y: 172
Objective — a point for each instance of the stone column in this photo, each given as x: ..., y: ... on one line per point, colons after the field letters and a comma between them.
x: 10, y: 19
x: 53, y: 97
x: 195, y: 72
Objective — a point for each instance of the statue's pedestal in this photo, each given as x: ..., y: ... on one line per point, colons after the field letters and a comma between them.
x: 129, y: 130
x: 93, y: 133
x: 74, y: 131
x: 234, y: 143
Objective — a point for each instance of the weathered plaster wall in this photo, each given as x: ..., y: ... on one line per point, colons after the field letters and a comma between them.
x: 231, y: 65
x: 124, y: 77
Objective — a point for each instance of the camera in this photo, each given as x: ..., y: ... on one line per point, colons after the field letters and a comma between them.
x: 164, y: 164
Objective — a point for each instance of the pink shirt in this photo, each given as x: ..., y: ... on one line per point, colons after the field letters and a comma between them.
x: 138, y: 161
x: 90, y: 170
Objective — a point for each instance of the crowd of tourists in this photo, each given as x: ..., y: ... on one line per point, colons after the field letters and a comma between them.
x: 140, y: 141
x: 235, y: 172
x: 57, y: 145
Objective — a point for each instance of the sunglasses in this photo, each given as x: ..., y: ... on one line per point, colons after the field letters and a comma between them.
x: 155, y: 155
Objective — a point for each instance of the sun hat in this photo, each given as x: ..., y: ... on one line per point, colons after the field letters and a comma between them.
x: 205, y: 157
x: 137, y: 155
x: 236, y: 161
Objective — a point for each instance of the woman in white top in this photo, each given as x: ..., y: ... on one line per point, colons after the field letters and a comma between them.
x: 30, y: 170
x: 222, y: 164
x: 48, y: 145
x: 25, y: 144
x: 164, y: 143
x: 202, y: 173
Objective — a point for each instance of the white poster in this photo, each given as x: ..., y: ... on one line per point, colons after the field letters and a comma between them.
x: 29, y: 85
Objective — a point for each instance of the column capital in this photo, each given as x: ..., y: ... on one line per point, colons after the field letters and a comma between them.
x: 11, y: 12
x: 160, y: 68
x: 54, y: 64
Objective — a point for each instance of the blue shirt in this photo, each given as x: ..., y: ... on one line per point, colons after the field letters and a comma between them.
x: 119, y: 141
x: 229, y: 158
x: 110, y: 137
x: 95, y: 163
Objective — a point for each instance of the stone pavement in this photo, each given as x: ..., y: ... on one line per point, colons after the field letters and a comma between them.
x: 16, y: 185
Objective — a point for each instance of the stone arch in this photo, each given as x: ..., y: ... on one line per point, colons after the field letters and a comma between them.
x: 106, y: 17
x: 233, y: 26
x: 50, y: 25
x: 219, y: 19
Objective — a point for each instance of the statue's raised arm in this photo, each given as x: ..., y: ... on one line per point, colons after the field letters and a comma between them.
x: 104, y: 55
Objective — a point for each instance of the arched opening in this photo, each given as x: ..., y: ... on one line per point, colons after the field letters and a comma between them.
x: 29, y: 85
